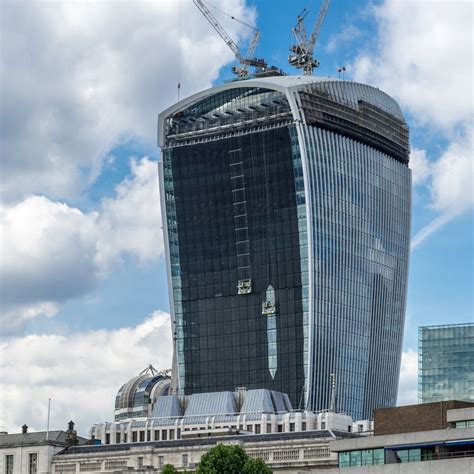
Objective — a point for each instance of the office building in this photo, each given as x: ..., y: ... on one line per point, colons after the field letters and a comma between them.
x: 446, y: 362
x: 286, y: 204
x: 435, y: 438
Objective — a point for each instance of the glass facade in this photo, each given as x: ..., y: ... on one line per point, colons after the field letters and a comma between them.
x: 446, y: 363
x: 287, y: 231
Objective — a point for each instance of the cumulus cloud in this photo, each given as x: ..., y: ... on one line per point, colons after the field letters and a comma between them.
x: 451, y: 184
x: 52, y: 252
x: 80, y: 77
x: 408, y: 388
x: 84, y: 388
x: 423, y: 57
x: 420, y: 166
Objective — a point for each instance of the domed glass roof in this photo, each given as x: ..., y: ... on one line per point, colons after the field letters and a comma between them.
x: 136, y: 397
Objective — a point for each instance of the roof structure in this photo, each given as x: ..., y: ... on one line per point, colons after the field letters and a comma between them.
x: 55, y: 437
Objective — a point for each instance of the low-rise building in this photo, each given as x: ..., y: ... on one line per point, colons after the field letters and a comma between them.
x: 291, y: 452
x: 32, y: 452
x: 449, y: 448
x: 205, y: 414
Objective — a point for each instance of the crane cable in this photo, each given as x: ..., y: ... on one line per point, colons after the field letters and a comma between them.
x: 179, y: 50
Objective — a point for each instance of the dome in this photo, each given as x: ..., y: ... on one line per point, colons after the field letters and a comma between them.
x: 135, y: 399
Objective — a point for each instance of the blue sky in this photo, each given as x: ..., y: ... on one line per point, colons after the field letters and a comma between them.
x: 82, y: 248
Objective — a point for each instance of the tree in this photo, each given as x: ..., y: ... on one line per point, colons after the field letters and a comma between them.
x: 169, y: 469
x: 256, y: 466
x: 224, y: 459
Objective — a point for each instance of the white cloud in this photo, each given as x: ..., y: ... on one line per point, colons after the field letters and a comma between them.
x: 84, y: 388
x: 423, y: 57
x: 408, y: 388
x: 52, y: 252
x: 451, y: 184
x: 420, y: 166
x: 79, y: 77
x: 345, y: 35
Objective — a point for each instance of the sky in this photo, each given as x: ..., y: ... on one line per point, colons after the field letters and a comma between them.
x: 84, y: 303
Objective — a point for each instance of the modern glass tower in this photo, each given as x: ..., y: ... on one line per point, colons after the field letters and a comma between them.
x: 286, y: 205
x: 446, y: 363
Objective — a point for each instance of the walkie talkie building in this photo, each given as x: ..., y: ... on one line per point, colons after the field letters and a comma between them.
x: 286, y: 212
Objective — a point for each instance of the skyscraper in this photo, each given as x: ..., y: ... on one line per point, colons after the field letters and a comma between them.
x: 446, y: 363
x: 286, y: 204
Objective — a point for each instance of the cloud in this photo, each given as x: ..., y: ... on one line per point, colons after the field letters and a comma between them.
x: 81, y: 77
x: 348, y: 34
x: 451, y: 183
x: 84, y: 388
x: 408, y: 387
x: 52, y: 252
x: 420, y: 166
x: 423, y: 57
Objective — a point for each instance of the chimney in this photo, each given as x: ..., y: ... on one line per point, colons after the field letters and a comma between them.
x: 24, y: 429
x: 71, y: 434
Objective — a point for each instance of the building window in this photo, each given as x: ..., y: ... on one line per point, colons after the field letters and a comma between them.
x: 257, y: 429
x: 32, y: 463
x: 323, y: 425
x: 280, y: 428
x: 356, y: 458
x: 134, y: 436
x: 178, y: 433
x: 117, y: 438
x: 185, y: 460
x: 125, y: 437
x: 464, y: 424
x: 142, y: 436
x: 269, y: 427
x: 164, y: 435
x: 303, y: 426
x: 161, y: 462
x: 344, y: 459
x: 107, y: 438
x: 9, y: 464
x: 249, y: 427
x: 365, y: 457
x: 171, y: 434
x: 140, y: 462
x: 292, y: 427
x: 148, y: 435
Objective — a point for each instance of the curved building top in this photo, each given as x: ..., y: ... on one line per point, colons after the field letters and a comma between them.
x: 359, y: 111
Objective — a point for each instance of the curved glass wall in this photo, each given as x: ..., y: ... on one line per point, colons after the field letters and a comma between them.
x: 360, y: 222
x: 288, y: 241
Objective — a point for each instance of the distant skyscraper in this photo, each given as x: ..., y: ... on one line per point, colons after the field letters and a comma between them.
x: 446, y: 363
x: 286, y: 205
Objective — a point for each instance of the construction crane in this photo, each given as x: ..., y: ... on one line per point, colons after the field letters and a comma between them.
x: 302, y: 57
x: 245, y: 61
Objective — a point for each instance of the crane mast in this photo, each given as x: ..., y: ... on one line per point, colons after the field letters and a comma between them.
x: 248, y: 59
x: 303, y: 50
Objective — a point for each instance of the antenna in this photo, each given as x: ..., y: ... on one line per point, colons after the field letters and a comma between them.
x: 47, y: 422
x: 341, y: 70
x: 333, y: 393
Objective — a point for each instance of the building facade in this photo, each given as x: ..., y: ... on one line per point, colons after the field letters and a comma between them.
x: 286, y: 206
x: 418, y: 451
x: 33, y: 453
x: 245, y: 412
x: 289, y: 453
x: 446, y: 363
